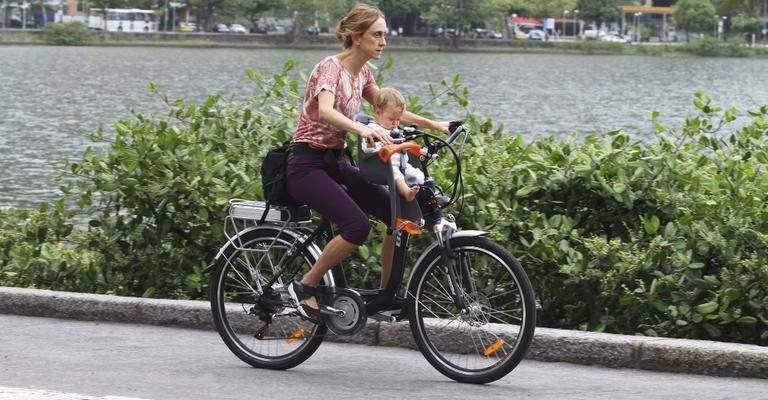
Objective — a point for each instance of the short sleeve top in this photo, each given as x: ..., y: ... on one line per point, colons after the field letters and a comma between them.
x: 349, y: 92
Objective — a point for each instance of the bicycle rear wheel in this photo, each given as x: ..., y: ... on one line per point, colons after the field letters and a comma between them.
x: 487, y: 340
x: 251, y: 317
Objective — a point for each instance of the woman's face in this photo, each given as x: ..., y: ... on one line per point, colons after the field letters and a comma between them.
x: 372, y: 42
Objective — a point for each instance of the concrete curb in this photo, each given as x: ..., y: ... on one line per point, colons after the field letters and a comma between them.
x: 674, y: 355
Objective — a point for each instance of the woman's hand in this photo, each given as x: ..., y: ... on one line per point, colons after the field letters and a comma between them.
x: 441, y: 126
x: 375, y: 134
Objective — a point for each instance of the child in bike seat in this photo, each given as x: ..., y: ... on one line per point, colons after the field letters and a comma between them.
x: 388, y: 107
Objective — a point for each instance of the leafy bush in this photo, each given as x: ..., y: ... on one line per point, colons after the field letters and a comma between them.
x: 34, y: 252
x: 711, y: 47
x: 667, y: 237
x: 67, y: 34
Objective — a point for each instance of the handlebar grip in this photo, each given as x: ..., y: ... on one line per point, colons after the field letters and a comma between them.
x: 453, y: 125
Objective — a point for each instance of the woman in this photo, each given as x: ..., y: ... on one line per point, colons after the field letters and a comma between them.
x: 317, y: 168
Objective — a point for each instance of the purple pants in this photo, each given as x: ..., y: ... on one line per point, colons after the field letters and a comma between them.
x: 309, y: 183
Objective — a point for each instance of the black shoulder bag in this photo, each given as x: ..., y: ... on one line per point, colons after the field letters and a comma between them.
x: 274, y: 179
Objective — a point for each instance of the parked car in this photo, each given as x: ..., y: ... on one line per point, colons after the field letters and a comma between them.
x: 237, y: 28
x: 187, y: 27
x: 616, y: 38
x: 312, y: 30
x: 536, y: 34
x: 487, y: 34
x: 259, y: 27
x: 521, y: 35
x: 220, y: 28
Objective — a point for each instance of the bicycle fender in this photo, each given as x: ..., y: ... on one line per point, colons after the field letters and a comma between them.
x: 458, y: 234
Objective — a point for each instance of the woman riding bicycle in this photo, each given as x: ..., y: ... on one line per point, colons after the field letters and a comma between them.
x: 317, y: 168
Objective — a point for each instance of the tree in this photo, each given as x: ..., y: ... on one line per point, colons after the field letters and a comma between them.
x: 728, y: 7
x: 599, y: 11
x: 250, y: 9
x: 403, y: 13
x: 694, y: 16
x: 746, y: 25
x: 459, y: 14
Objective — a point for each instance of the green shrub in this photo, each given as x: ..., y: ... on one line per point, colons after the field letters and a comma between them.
x: 67, y: 34
x: 711, y: 47
x: 667, y: 238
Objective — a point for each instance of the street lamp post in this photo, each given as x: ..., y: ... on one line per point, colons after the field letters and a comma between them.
x: 24, y: 7
x: 565, y: 14
x: 576, y: 21
x: 721, y: 27
x: 174, y: 6
x: 637, y: 26
x: 714, y: 30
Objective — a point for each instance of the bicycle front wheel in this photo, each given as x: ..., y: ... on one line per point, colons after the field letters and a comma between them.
x: 486, y: 340
x: 250, y: 316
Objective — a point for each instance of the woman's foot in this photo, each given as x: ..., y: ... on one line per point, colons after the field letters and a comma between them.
x: 305, y: 301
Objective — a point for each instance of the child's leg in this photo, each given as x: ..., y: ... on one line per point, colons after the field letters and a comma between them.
x: 408, y: 192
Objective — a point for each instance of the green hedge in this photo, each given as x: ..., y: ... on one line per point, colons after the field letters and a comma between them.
x: 661, y: 237
x: 67, y: 34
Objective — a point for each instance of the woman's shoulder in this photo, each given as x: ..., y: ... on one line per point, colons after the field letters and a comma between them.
x: 332, y: 60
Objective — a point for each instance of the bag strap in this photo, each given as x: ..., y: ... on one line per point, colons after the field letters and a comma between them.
x: 266, y: 210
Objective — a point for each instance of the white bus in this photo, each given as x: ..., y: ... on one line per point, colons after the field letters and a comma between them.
x: 122, y: 20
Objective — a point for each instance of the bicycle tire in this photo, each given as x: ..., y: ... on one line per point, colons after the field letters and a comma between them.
x: 234, y: 318
x: 488, y: 342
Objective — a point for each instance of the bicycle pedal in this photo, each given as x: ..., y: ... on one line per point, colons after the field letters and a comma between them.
x: 331, y: 311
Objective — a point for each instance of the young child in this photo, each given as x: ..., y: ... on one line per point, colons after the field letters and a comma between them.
x: 388, y: 107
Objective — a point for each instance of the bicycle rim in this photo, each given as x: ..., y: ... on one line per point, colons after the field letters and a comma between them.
x: 487, y: 342
x: 235, y: 298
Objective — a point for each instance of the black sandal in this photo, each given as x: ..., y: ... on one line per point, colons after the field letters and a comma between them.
x: 299, y: 294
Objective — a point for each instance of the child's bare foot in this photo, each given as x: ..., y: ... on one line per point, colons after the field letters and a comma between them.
x: 410, y: 194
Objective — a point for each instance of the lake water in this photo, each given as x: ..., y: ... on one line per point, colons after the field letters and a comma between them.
x: 52, y: 98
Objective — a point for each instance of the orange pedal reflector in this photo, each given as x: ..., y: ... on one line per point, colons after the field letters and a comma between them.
x: 493, y: 348
x: 295, y: 335
x: 409, y: 226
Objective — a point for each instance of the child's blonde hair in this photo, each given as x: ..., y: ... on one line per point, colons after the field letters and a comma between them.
x: 388, y: 97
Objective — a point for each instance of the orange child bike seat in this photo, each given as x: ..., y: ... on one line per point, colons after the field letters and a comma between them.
x: 386, y: 151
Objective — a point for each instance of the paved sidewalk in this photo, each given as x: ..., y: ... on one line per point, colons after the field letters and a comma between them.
x: 674, y: 355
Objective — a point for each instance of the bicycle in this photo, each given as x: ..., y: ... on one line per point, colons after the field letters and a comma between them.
x: 469, y: 303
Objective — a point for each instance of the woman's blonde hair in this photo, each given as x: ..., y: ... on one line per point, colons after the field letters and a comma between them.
x: 357, y: 21
x: 388, y: 97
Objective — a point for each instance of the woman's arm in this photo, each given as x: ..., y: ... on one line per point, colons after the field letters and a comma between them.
x: 327, y: 113
x: 411, y: 118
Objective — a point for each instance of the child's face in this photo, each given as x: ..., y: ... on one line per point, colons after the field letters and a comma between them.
x: 389, y: 117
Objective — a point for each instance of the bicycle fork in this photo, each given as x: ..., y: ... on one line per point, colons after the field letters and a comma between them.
x: 444, y: 229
